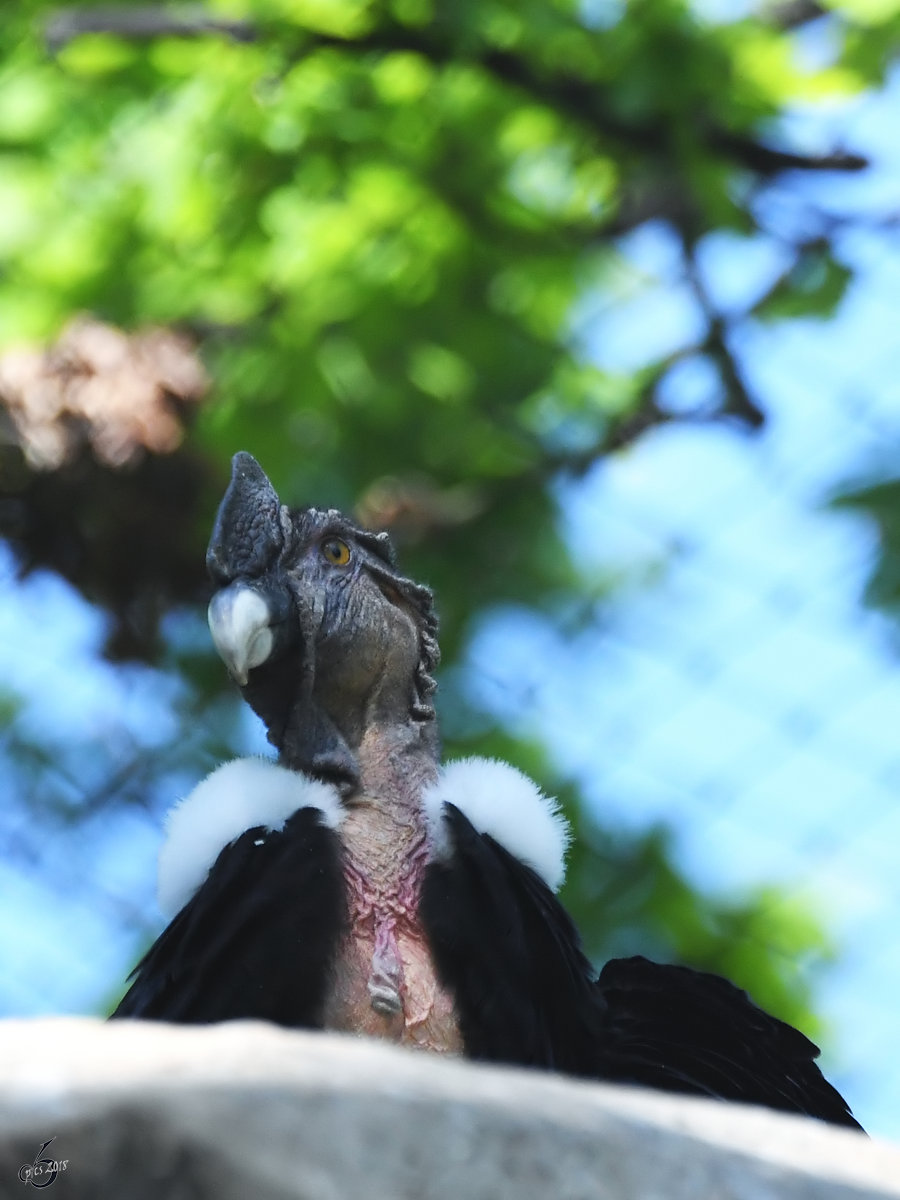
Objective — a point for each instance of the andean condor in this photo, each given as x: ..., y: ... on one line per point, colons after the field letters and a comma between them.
x: 358, y: 885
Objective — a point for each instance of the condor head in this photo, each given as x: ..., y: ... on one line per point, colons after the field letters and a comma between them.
x: 316, y: 625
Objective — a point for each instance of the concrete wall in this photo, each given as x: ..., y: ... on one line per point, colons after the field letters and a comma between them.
x: 245, y: 1111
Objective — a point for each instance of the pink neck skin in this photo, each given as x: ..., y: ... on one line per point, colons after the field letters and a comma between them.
x: 384, y: 980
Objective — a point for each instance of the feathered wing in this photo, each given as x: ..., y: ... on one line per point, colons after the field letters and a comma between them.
x: 509, y: 953
x: 526, y: 994
x: 258, y: 937
x: 683, y: 1030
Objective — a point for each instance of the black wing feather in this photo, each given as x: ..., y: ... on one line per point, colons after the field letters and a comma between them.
x: 509, y: 953
x: 674, y: 1028
x: 257, y: 939
x: 525, y: 993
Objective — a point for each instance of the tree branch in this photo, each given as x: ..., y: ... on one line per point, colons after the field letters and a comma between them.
x: 141, y: 21
x: 792, y: 14
x: 580, y: 101
x: 767, y: 160
x: 738, y: 401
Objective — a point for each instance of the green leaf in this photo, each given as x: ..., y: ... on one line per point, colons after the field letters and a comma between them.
x: 814, y: 287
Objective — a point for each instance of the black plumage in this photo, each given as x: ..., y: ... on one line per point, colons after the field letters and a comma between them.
x: 257, y: 939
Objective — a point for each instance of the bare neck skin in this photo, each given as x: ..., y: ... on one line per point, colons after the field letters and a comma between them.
x: 383, y: 831
x: 383, y: 981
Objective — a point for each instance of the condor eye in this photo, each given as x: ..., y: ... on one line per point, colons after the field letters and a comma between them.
x: 336, y: 552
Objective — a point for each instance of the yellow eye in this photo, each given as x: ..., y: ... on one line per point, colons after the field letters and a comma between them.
x: 336, y: 552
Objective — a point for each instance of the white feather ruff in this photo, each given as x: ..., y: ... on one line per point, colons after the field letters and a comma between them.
x: 507, y: 805
x: 234, y: 798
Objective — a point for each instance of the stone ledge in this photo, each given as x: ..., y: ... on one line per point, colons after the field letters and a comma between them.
x: 245, y: 1110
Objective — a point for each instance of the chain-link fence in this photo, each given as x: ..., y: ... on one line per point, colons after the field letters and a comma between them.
x: 730, y: 684
x: 735, y: 687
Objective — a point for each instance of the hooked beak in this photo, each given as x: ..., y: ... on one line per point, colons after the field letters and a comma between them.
x: 241, y: 623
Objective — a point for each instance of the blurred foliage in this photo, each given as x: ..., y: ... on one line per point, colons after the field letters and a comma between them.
x: 376, y: 218
x: 880, y: 501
